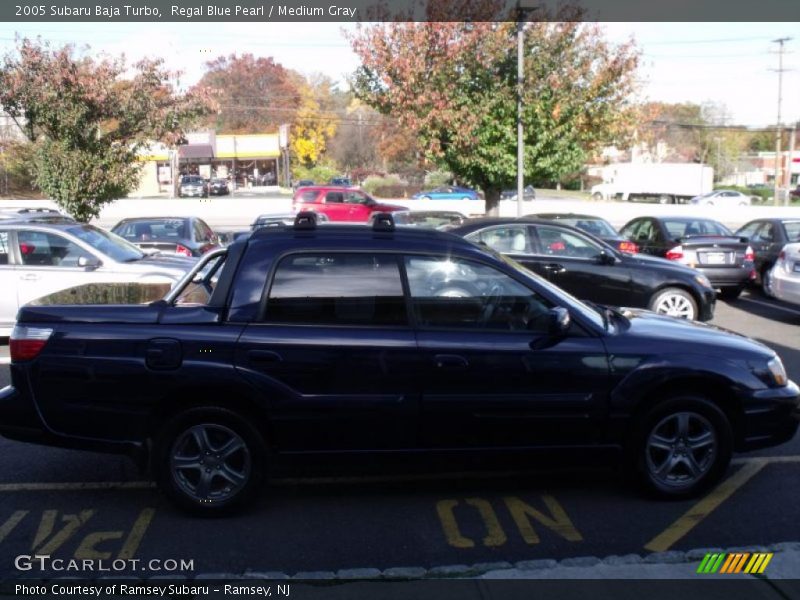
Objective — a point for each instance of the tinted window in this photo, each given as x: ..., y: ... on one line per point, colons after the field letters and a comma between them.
x: 337, y: 289
x: 554, y: 241
x: 307, y: 196
x: 334, y: 198
x: 748, y: 230
x: 355, y: 198
x: 765, y: 233
x: 48, y: 250
x: 507, y: 238
x: 156, y: 229
x: 596, y: 227
x: 679, y: 229
x: 460, y: 294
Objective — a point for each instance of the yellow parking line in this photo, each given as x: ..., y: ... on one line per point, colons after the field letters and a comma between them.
x: 664, y: 540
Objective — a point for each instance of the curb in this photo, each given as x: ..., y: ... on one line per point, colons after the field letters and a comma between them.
x: 476, y: 570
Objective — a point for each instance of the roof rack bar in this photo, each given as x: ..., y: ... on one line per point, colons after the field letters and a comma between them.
x: 384, y: 221
x: 305, y: 220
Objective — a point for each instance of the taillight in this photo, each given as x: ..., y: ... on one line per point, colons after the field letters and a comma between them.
x: 629, y: 247
x: 675, y: 254
x: 781, y: 255
x: 181, y: 249
x: 27, y: 342
x: 749, y: 255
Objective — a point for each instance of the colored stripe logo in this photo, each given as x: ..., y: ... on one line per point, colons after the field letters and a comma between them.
x: 735, y: 562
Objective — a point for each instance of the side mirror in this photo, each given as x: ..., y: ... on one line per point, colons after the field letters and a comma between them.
x: 604, y: 258
x: 558, y: 321
x: 89, y: 262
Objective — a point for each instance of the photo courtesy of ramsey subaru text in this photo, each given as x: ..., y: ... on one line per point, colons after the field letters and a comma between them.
x: 250, y: 360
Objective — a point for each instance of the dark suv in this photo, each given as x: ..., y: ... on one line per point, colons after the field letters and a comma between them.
x: 348, y: 340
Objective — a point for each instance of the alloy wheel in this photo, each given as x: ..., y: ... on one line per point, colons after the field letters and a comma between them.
x: 210, y: 463
x: 681, y: 449
x: 675, y: 305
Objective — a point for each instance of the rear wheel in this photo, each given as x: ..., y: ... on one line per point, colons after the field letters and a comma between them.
x: 425, y: 198
x: 682, y: 446
x: 674, y: 302
x: 597, y: 197
x: 209, y: 461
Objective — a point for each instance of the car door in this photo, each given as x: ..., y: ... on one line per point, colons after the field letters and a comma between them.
x: 490, y: 374
x: 49, y: 262
x: 334, y: 354
x: 9, y: 303
x: 767, y: 243
x: 357, y: 204
x: 646, y: 233
x: 334, y: 207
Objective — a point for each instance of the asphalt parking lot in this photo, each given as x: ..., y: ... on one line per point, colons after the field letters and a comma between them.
x: 71, y: 504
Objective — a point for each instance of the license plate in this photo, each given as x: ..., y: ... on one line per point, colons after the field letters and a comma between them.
x: 716, y: 258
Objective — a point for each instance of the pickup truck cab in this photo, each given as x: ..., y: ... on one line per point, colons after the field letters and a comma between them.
x: 347, y: 340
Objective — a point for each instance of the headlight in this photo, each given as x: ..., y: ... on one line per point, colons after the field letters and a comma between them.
x: 777, y: 371
x: 703, y: 280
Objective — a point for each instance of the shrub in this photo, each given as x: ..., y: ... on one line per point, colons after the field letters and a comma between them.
x: 374, y: 182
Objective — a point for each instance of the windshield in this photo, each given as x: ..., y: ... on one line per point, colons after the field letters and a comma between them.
x: 695, y: 227
x: 107, y: 243
x: 597, y: 227
x: 563, y: 298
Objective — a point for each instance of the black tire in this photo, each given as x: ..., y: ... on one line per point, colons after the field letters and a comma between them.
x: 177, y: 440
x: 711, y: 461
x: 597, y: 197
x: 730, y: 293
x: 766, y: 281
x: 680, y: 299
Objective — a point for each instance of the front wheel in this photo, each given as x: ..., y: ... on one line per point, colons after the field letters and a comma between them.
x: 425, y: 198
x: 209, y: 461
x: 682, y: 447
x: 674, y: 302
x: 767, y: 283
x: 597, y: 197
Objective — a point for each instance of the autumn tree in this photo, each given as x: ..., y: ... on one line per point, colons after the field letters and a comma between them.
x: 87, y: 120
x: 255, y: 94
x: 454, y: 85
x: 314, y: 123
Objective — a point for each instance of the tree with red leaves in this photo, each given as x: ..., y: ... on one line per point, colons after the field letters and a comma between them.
x: 88, y: 119
x: 454, y: 85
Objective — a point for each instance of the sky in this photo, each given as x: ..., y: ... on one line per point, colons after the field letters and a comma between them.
x: 728, y: 63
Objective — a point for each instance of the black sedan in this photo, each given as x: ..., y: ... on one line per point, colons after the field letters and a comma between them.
x: 597, y: 226
x: 767, y: 238
x: 218, y: 187
x: 590, y: 269
x: 184, y: 236
x: 707, y: 245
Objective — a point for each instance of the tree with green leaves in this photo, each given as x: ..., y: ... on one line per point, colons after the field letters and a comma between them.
x: 88, y: 119
x: 454, y: 85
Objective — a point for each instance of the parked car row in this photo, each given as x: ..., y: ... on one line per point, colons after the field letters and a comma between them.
x: 455, y: 347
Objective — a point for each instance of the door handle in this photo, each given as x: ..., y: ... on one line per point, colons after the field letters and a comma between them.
x: 450, y: 361
x: 264, y: 356
x: 29, y: 277
x: 554, y: 268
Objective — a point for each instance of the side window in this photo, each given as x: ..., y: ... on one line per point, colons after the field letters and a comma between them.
x: 201, y: 234
x: 45, y: 249
x: 334, y: 198
x: 555, y: 241
x: 337, y: 289
x: 765, y: 233
x: 4, y: 248
x: 792, y: 231
x: 630, y: 230
x: 508, y: 239
x: 459, y: 294
x: 749, y: 230
x: 355, y: 198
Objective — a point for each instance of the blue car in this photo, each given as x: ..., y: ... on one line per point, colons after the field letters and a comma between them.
x: 447, y: 193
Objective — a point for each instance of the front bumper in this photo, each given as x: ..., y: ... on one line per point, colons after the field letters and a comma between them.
x: 771, y: 417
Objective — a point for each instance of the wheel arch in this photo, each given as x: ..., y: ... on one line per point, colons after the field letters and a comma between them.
x: 684, y: 287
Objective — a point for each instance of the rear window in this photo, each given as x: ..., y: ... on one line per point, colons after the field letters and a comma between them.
x: 172, y: 229
x: 678, y: 229
x: 307, y: 196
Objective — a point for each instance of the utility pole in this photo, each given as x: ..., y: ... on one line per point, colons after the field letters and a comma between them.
x: 789, y: 161
x: 778, y: 129
x: 524, y: 8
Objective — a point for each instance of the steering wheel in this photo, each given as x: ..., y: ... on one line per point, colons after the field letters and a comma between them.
x: 492, y: 303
